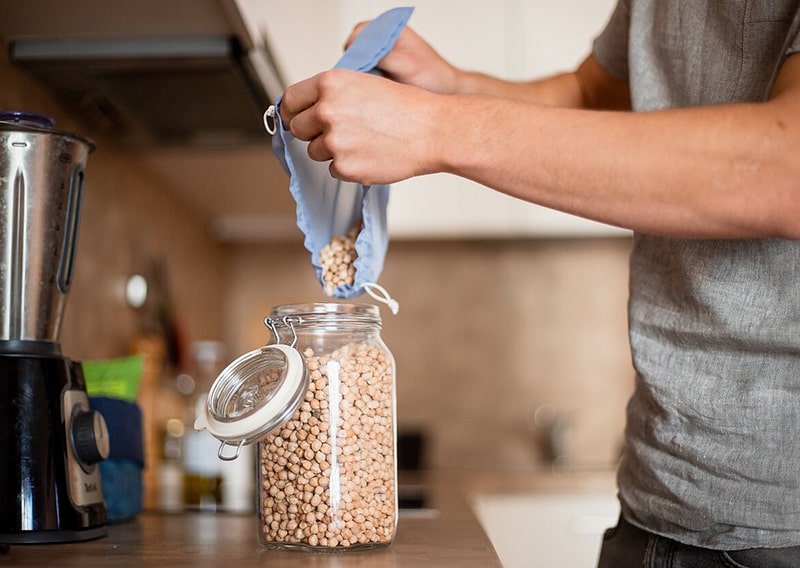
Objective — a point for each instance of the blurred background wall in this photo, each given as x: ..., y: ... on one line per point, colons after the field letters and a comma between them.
x: 489, y: 331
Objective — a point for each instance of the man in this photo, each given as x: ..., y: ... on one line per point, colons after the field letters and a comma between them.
x: 706, y: 172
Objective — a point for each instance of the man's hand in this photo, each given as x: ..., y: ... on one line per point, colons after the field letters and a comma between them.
x: 414, y: 62
x: 372, y: 129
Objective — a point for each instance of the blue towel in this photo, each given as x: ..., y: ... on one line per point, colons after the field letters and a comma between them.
x: 124, y: 421
x: 328, y: 207
x: 121, y: 473
x: 123, y: 488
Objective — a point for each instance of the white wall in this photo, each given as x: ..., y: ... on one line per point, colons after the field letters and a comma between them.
x: 514, y: 39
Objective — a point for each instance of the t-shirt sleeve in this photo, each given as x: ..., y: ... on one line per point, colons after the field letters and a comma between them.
x: 610, y: 48
x: 794, y: 46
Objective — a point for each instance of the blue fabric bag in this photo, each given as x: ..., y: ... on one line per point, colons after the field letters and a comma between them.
x: 327, y: 207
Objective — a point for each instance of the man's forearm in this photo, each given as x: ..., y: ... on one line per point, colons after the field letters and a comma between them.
x: 705, y: 172
x: 563, y: 90
x: 589, y: 87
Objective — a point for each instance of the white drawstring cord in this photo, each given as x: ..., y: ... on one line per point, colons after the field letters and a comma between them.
x: 382, y: 296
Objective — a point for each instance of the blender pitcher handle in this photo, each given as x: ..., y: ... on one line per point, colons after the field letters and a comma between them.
x: 69, y: 244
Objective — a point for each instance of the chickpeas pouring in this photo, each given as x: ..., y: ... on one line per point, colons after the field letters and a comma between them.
x: 337, y: 259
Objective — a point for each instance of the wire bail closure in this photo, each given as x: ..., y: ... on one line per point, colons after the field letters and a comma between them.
x: 223, y: 457
x: 289, y: 322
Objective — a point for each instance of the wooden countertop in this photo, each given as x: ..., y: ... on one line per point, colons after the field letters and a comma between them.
x: 448, y: 535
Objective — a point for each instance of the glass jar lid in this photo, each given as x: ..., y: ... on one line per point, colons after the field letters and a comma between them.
x: 254, y: 395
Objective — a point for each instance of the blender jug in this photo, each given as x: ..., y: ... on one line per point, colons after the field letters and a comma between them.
x: 41, y: 188
x: 50, y: 439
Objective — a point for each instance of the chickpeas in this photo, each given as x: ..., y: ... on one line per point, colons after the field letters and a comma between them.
x: 337, y: 259
x: 336, y: 489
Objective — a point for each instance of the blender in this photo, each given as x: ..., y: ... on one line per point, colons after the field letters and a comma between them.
x: 50, y: 440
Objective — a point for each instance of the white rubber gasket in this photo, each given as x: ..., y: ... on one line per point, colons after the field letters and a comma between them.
x: 265, y: 418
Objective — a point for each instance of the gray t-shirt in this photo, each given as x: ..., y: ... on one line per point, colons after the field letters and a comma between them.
x: 713, y: 434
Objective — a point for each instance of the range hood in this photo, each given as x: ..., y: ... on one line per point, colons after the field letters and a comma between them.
x: 156, y: 91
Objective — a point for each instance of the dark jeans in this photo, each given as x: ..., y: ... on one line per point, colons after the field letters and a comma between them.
x: 626, y: 546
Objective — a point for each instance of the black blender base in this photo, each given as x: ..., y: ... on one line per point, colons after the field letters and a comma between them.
x: 46, y: 495
x: 53, y: 537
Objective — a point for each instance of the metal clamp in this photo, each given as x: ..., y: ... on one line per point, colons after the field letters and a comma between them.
x: 223, y: 457
x: 289, y: 322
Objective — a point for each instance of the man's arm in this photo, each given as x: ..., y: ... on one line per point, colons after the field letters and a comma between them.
x: 589, y: 87
x: 413, y: 61
x: 724, y: 171
x: 727, y: 171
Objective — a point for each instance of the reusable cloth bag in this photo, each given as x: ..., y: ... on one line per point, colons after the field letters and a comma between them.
x: 327, y: 207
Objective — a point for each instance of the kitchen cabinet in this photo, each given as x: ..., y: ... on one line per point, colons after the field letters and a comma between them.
x: 538, y: 520
x: 569, y: 526
x: 515, y: 39
x: 445, y: 206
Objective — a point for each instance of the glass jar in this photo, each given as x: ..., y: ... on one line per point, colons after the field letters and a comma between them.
x: 326, y: 456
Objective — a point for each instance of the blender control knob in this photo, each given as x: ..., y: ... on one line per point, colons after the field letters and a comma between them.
x: 90, y: 437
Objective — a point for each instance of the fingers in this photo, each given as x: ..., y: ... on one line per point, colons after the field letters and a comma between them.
x: 297, y: 98
x: 318, y: 151
x: 305, y: 125
x: 310, y: 106
x: 300, y: 113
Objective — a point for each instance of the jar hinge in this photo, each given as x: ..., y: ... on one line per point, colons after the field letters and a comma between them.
x: 289, y: 322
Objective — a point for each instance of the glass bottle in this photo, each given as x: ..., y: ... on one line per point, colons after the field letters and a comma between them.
x: 202, y: 471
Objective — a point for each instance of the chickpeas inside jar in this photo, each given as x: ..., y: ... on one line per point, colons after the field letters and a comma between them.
x: 327, y: 476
